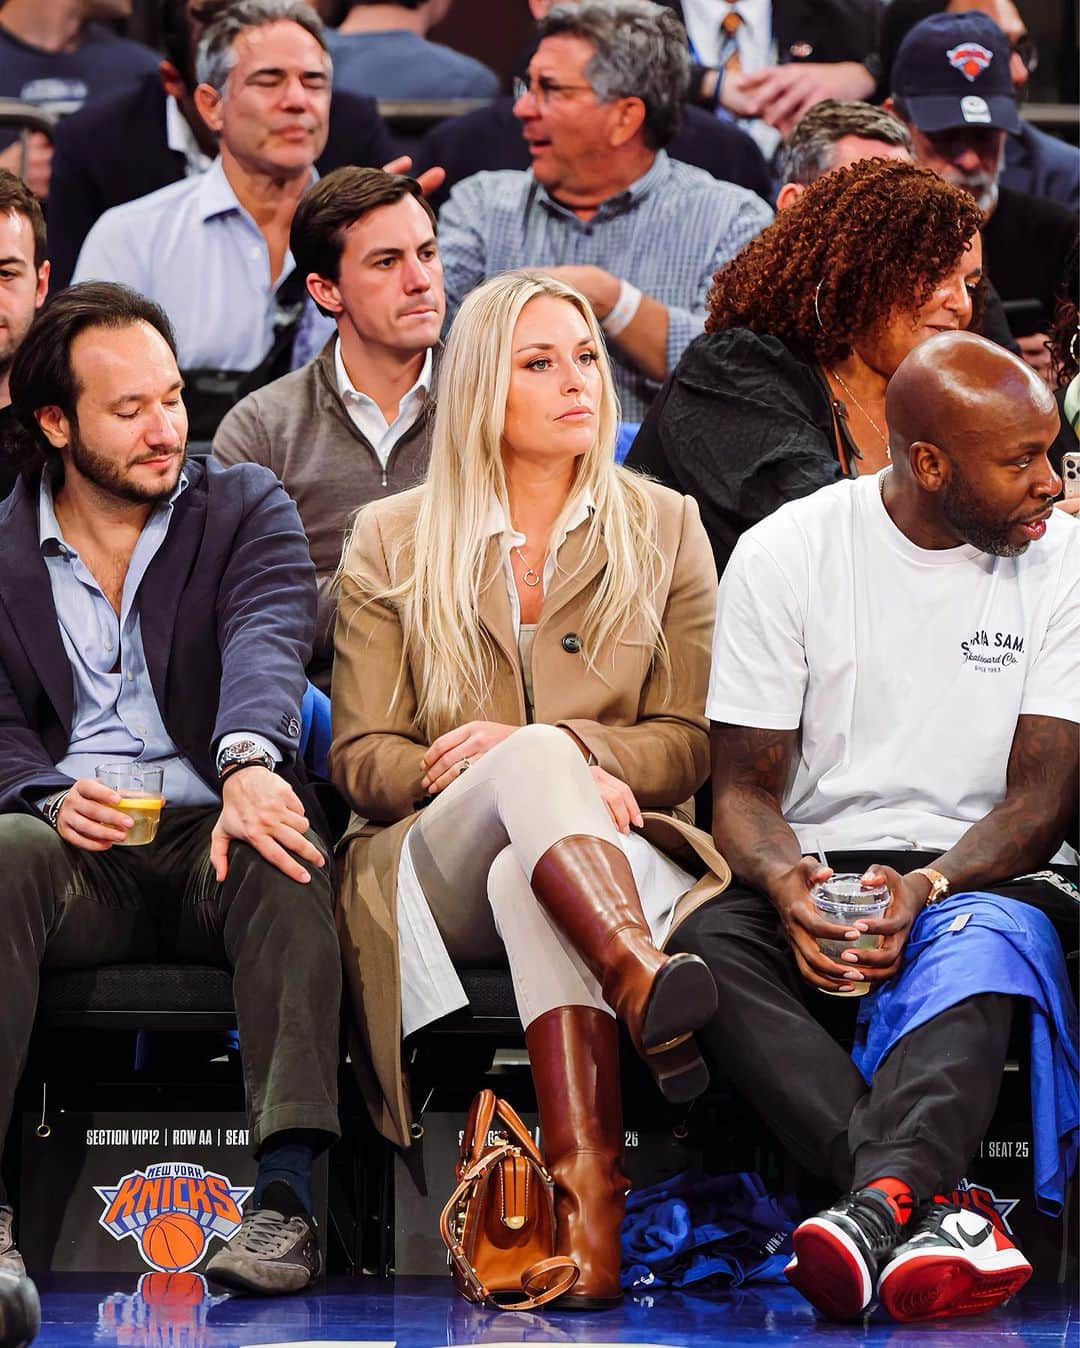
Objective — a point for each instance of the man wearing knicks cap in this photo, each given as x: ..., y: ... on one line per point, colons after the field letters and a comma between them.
x: 951, y: 86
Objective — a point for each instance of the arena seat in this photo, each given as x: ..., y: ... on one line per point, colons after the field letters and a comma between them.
x: 137, y: 996
x: 199, y: 997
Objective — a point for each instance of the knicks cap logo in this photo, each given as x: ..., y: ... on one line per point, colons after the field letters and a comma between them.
x: 172, y: 1210
x: 970, y: 58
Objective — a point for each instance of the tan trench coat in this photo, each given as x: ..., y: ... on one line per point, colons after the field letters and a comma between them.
x: 648, y: 730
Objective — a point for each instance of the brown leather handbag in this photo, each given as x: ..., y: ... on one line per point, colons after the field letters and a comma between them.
x: 499, y: 1223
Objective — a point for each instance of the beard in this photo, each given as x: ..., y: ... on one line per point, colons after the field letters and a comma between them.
x: 110, y: 478
x: 9, y: 345
x: 972, y: 519
x: 983, y: 185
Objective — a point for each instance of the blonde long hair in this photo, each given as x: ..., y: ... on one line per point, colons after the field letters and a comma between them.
x: 438, y: 601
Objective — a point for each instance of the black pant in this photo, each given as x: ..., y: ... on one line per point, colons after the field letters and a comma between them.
x: 933, y: 1096
x: 67, y: 908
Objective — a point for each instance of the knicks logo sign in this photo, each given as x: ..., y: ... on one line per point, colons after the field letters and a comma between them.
x: 979, y: 1199
x: 172, y: 1210
x: 971, y: 59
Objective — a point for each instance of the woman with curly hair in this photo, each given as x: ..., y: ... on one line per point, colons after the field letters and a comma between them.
x: 785, y: 391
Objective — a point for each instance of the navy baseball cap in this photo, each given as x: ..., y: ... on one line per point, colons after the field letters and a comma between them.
x: 952, y: 70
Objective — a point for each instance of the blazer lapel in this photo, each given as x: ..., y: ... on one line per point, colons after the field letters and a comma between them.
x: 572, y: 575
x: 27, y: 595
x: 166, y: 578
x: 495, y: 615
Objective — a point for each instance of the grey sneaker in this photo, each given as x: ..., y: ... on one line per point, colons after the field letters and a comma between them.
x: 20, y: 1310
x: 11, y: 1261
x: 271, y: 1254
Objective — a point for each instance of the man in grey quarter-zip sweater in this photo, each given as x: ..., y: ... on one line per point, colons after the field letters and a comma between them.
x: 355, y: 423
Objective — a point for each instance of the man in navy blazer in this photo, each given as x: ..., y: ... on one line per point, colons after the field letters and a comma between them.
x: 160, y: 612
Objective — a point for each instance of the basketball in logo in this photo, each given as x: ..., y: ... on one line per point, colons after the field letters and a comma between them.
x: 172, y: 1241
x: 970, y: 58
x: 172, y: 1289
x: 172, y: 1210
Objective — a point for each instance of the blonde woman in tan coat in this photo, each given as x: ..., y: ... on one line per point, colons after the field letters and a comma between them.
x: 522, y: 656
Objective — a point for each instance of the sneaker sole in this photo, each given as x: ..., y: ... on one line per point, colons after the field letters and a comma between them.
x: 829, y: 1270
x: 928, y: 1286
x: 237, y: 1279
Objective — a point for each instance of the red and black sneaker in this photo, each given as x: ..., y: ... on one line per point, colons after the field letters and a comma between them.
x: 955, y: 1263
x: 838, y: 1253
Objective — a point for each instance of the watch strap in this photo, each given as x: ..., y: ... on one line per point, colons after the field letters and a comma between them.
x: 939, y: 884
x: 51, y: 805
x: 232, y: 768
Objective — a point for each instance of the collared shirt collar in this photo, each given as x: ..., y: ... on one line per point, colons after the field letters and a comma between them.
x: 497, y: 522
x: 650, y: 181
x: 216, y: 196
x: 49, y: 530
x: 347, y: 389
x: 180, y: 137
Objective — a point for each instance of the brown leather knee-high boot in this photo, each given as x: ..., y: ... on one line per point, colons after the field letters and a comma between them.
x: 587, y: 886
x: 574, y: 1053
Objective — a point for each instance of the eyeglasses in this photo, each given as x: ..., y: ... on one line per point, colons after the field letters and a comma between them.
x: 1025, y: 48
x: 543, y: 89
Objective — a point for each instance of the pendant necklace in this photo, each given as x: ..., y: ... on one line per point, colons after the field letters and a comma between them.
x: 880, y: 433
x: 529, y: 575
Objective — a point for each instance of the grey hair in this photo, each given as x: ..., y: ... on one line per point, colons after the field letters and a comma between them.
x: 217, y: 55
x: 807, y: 155
x: 640, y: 52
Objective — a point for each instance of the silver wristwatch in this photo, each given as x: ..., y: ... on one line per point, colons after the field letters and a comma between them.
x: 242, y: 754
x: 50, y: 806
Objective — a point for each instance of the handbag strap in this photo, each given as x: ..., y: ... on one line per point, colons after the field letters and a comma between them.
x: 519, y: 1134
x: 541, y: 1282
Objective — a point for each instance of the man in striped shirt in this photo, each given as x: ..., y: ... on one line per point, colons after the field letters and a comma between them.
x: 603, y: 206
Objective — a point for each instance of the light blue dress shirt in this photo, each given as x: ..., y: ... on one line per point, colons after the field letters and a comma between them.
x: 666, y: 234
x: 116, y: 712
x: 193, y: 249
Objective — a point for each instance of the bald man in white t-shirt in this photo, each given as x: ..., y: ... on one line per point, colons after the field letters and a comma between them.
x: 896, y: 687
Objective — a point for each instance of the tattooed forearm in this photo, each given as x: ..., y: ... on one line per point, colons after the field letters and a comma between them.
x: 1026, y: 829
x: 750, y: 771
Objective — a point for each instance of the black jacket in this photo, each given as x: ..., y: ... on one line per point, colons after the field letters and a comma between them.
x: 115, y: 150
x: 490, y: 138
x: 817, y: 30
x: 227, y: 610
x: 742, y: 425
x: 1026, y: 244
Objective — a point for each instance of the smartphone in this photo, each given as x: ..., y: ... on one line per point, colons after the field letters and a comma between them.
x: 1070, y: 472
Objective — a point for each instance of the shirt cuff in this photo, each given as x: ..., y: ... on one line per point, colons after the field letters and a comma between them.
x: 235, y: 736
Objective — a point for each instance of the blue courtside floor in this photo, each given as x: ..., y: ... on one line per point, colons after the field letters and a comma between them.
x: 177, y: 1311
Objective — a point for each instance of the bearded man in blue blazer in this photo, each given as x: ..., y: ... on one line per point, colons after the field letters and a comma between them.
x: 160, y: 610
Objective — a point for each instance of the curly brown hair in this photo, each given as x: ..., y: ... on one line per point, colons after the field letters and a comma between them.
x: 866, y: 241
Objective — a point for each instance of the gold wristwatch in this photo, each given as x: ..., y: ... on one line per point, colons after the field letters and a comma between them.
x: 939, y: 885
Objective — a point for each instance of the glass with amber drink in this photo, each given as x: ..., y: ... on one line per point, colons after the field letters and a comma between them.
x: 139, y: 785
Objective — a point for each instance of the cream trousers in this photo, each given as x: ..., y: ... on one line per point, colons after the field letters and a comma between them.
x: 475, y: 846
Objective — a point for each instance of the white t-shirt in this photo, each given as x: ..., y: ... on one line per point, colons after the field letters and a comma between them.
x: 905, y: 669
